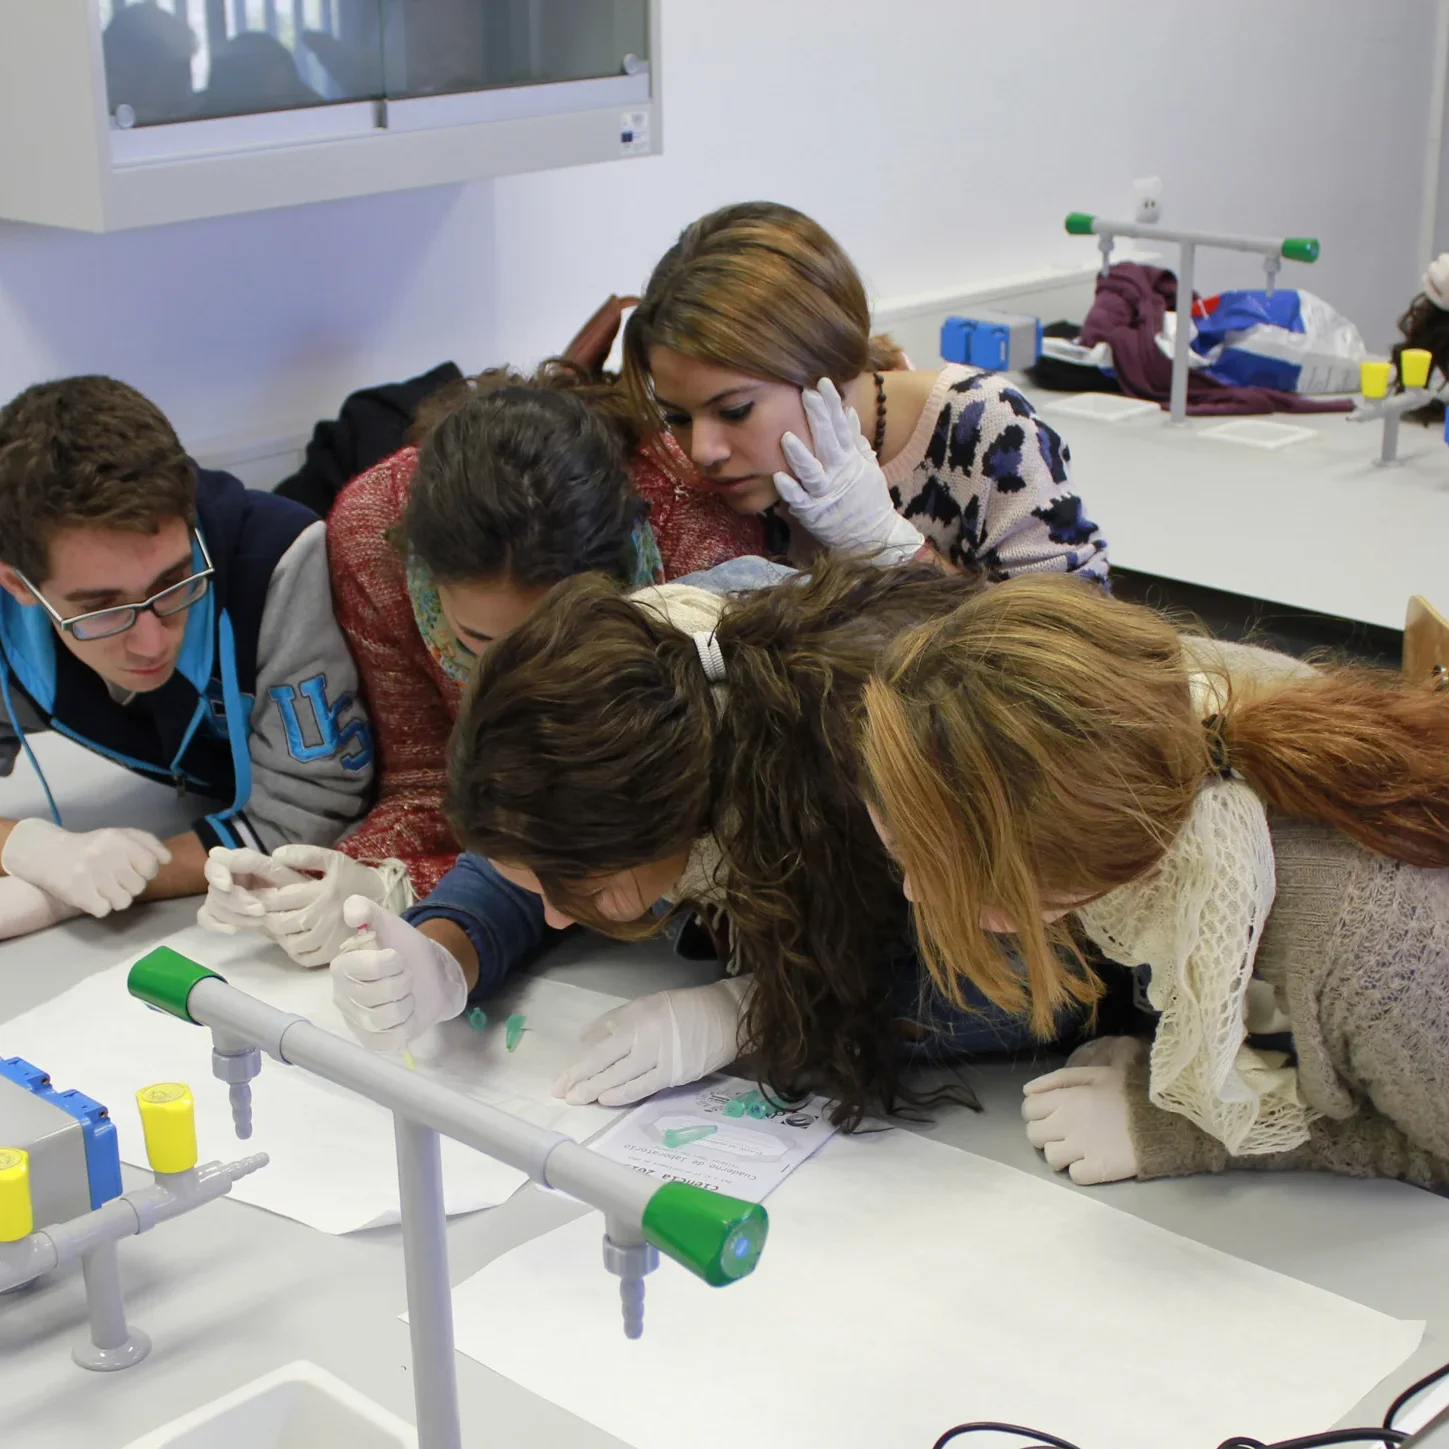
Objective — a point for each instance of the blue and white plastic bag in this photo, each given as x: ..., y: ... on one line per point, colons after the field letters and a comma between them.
x: 1292, y: 341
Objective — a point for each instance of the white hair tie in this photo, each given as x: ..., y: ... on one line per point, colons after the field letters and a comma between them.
x: 710, y: 656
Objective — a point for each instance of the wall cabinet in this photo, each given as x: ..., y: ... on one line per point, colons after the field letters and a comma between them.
x: 123, y: 113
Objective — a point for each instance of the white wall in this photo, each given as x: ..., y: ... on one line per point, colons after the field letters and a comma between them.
x: 942, y: 140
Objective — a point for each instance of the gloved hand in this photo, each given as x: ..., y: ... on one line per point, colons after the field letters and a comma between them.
x: 394, y: 983
x: 302, y: 912
x: 25, y: 908
x: 1079, y: 1117
x: 658, y: 1041
x: 838, y: 491
x: 233, y: 878
x: 1108, y: 1051
x: 96, y: 871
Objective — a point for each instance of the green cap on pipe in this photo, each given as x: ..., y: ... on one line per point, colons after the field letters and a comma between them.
x: 163, y: 978
x: 1079, y: 223
x: 1301, y: 248
x: 717, y: 1238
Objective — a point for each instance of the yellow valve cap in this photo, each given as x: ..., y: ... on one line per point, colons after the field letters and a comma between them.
x: 16, y: 1218
x: 1373, y: 378
x: 1414, y: 363
x: 168, y: 1118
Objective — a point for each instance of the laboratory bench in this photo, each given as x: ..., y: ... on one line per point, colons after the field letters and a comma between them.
x: 1314, y: 528
x: 231, y: 1292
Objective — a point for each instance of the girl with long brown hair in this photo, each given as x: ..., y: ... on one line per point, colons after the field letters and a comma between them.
x: 671, y: 745
x: 752, y: 346
x: 1052, y: 768
x: 517, y: 482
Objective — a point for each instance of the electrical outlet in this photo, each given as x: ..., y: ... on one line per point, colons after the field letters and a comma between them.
x: 1147, y: 199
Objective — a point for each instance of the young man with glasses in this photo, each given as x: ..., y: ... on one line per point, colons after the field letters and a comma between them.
x: 176, y: 623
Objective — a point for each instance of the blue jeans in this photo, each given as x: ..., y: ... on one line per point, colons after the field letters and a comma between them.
x: 978, y: 1029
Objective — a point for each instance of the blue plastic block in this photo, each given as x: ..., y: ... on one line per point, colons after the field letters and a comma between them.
x: 990, y: 343
x: 995, y: 341
x: 103, y: 1154
x: 956, y: 339
x: 19, y: 1071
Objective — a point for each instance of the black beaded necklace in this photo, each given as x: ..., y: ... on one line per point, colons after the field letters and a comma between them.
x: 880, y: 413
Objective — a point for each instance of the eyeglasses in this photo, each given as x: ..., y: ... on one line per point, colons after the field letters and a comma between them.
x: 105, y: 623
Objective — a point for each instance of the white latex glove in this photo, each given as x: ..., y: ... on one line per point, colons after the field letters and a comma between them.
x: 233, y: 878
x: 838, y: 491
x: 658, y: 1041
x: 25, y: 908
x: 1108, y: 1051
x: 305, y: 918
x: 1079, y: 1118
x: 96, y: 871
x: 394, y: 983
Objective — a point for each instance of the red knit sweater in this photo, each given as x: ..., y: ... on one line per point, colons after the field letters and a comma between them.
x: 412, y: 701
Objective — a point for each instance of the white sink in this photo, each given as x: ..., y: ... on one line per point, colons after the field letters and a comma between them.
x: 299, y: 1406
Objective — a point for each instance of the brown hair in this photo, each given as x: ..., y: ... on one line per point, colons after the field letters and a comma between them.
x: 524, y: 482
x: 1425, y: 324
x: 1040, y: 746
x: 591, y: 743
x: 760, y: 289
x: 86, y: 452
x: 600, y: 390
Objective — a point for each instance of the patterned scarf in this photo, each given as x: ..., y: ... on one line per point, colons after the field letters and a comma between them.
x: 640, y: 564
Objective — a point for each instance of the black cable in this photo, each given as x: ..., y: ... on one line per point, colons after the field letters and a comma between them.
x: 1042, y: 1441
x: 1321, y: 1441
x: 1333, y: 1436
x: 1384, y: 1435
x: 1413, y: 1391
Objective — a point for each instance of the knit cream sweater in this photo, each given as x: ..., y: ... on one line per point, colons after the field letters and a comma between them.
x: 1356, y: 950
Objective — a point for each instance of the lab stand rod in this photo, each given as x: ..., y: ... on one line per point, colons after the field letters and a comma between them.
x: 547, y: 1157
x: 1182, y: 339
x: 1295, y: 248
x: 137, y: 1211
x: 1389, y: 411
x: 430, y: 1301
x: 1389, y: 447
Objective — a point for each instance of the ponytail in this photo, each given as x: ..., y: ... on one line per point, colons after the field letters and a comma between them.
x: 1361, y: 750
x: 885, y: 355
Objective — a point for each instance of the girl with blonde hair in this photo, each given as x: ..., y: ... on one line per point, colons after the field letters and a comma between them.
x: 1265, y: 844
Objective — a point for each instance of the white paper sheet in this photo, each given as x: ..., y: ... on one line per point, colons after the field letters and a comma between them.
x: 907, y: 1287
x: 692, y: 1135
x: 333, y: 1165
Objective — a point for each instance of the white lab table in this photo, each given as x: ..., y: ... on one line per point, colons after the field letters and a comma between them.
x: 1314, y: 525
x: 231, y: 1292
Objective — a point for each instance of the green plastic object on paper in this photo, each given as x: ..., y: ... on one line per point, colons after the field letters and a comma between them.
x: 717, y: 1238
x: 163, y: 978
x: 513, y: 1031
x: 753, y: 1103
x: 683, y: 1136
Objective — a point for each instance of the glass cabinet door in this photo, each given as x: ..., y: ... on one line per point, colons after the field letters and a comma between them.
x: 438, y: 47
x: 188, y: 60
x: 191, y: 60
